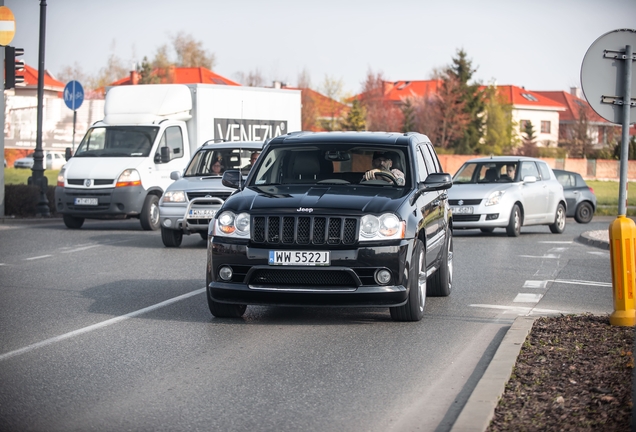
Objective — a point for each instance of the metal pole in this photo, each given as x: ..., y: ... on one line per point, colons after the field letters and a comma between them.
x: 627, y: 94
x: 42, y: 208
x: 74, y: 120
x: 2, y: 109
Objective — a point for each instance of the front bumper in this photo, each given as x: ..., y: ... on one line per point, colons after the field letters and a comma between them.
x: 184, y: 217
x: 496, y: 216
x: 111, y: 202
x: 348, y: 281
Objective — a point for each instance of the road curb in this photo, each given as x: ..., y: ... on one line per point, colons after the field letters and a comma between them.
x: 480, y: 407
x: 593, y: 238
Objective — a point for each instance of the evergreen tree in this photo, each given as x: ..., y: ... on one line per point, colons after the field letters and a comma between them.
x: 146, y: 73
x: 408, y: 110
x: 355, y: 120
x: 474, y: 104
x: 529, y: 140
x: 499, y: 136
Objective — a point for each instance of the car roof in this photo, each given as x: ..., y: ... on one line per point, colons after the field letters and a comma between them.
x: 383, y: 138
x: 503, y: 159
x: 255, y: 145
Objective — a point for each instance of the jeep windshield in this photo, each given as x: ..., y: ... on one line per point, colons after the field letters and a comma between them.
x: 118, y: 141
x: 331, y: 164
x: 486, y: 172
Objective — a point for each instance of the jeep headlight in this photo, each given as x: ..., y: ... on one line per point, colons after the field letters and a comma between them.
x: 383, y: 227
x: 174, y: 197
x: 230, y: 224
x: 494, y: 198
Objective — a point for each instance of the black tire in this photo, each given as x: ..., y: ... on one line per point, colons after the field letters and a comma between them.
x: 584, y: 212
x: 171, y: 238
x: 487, y: 230
x: 149, y: 216
x: 72, y: 221
x: 559, y: 220
x: 441, y: 282
x: 222, y: 310
x: 413, y: 309
x: 204, y: 235
x: 514, y: 224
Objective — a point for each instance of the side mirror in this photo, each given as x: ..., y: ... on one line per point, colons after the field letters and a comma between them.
x: 67, y: 153
x: 232, y: 179
x: 165, y: 154
x: 529, y: 179
x: 437, y: 181
x: 175, y: 175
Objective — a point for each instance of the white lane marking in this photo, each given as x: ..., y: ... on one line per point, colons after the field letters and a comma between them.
x: 518, y: 309
x: 580, y: 282
x: 548, y: 256
x: 80, y: 248
x: 535, y: 284
x: 99, y: 325
x: 1, y: 264
x: 599, y: 253
x: 37, y: 257
x: 556, y: 242
x: 556, y: 250
x: 527, y: 298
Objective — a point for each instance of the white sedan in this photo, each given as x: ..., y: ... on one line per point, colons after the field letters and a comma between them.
x: 507, y: 192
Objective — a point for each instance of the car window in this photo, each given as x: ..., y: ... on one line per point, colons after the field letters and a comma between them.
x: 529, y: 168
x: 566, y: 179
x: 545, y: 170
x: 421, y: 166
x: 434, y: 158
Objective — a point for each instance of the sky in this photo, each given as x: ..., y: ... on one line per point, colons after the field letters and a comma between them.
x: 536, y: 44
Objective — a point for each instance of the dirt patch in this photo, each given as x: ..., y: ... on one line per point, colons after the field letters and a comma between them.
x: 574, y: 373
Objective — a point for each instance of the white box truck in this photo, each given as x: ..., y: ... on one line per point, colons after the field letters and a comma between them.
x: 122, y: 166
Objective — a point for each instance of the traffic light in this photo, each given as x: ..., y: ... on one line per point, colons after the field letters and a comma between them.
x: 11, y: 66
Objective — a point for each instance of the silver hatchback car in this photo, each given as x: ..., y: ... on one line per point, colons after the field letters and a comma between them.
x: 507, y: 192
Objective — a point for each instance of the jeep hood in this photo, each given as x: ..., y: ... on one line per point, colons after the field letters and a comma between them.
x: 319, y: 199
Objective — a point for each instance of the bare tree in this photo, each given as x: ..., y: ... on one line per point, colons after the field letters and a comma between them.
x: 190, y: 52
x: 253, y: 78
x: 382, y: 115
x: 332, y: 88
x: 449, y: 107
x: 309, y: 110
x: 75, y: 72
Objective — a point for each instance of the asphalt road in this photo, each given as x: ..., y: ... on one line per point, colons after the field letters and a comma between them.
x: 104, y: 329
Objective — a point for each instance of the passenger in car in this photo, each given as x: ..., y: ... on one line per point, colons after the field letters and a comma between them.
x: 382, y: 162
x: 217, y: 167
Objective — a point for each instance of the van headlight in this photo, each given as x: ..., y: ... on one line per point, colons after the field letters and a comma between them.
x: 129, y: 177
x: 383, y: 227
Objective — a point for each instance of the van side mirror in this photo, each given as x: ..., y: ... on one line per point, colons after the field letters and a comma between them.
x: 67, y: 153
x: 165, y: 154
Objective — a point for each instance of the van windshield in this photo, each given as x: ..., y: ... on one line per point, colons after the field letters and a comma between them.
x: 118, y: 141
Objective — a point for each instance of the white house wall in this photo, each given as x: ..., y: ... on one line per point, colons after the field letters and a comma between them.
x: 536, y: 116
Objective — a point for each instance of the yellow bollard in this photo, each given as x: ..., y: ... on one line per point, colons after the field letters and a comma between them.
x: 622, y: 235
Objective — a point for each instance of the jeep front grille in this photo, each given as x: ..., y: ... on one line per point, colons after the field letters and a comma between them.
x: 302, y: 278
x: 305, y: 230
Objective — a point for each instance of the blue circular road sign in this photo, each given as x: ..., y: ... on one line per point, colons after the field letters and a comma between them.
x: 73, y: 95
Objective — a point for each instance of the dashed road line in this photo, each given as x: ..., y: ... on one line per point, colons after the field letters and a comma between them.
x: 37, y: 257
x: 535, y: 284
x: 79, y: 249
x: 99, y: 325
x: 527, y: 298
x: 580, y: 282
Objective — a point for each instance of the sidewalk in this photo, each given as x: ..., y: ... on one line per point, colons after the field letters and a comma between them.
x: 480, y: 407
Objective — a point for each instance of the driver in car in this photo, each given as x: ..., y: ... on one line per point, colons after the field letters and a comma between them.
x: 382, y: 163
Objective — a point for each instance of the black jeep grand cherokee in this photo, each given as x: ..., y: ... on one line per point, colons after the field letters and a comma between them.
x: 306, y: 228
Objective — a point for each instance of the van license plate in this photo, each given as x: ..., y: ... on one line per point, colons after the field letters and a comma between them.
x: 299, y: 258
x: 86, y: 201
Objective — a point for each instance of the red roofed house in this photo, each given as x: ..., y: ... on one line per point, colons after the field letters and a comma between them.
x: 325, y: 112
x: 52, y: 87
x: 577, y: 109
x: 540, y: 110
x: 180, y: 75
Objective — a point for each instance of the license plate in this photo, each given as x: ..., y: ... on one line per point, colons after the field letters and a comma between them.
x: 299, y: 258
x: 462, y: 210
x: 201, y: 213
x: 86, y: 201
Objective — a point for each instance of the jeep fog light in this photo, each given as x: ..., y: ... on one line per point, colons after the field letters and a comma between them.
x: 383, y: 276
x: 225, y: 273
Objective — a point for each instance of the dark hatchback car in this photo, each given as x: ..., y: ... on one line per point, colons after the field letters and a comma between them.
x: 306, y: 228
x: 579, y: 196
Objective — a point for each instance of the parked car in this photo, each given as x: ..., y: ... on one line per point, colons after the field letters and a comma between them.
x: 51, y: 161
x: 309, y: 227
x: 192, y: 200
x: 580, y: 198
x: 507, y: 192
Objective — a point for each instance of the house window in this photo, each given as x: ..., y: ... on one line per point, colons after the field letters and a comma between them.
x: 523, y: 124
x: 545, y: 127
